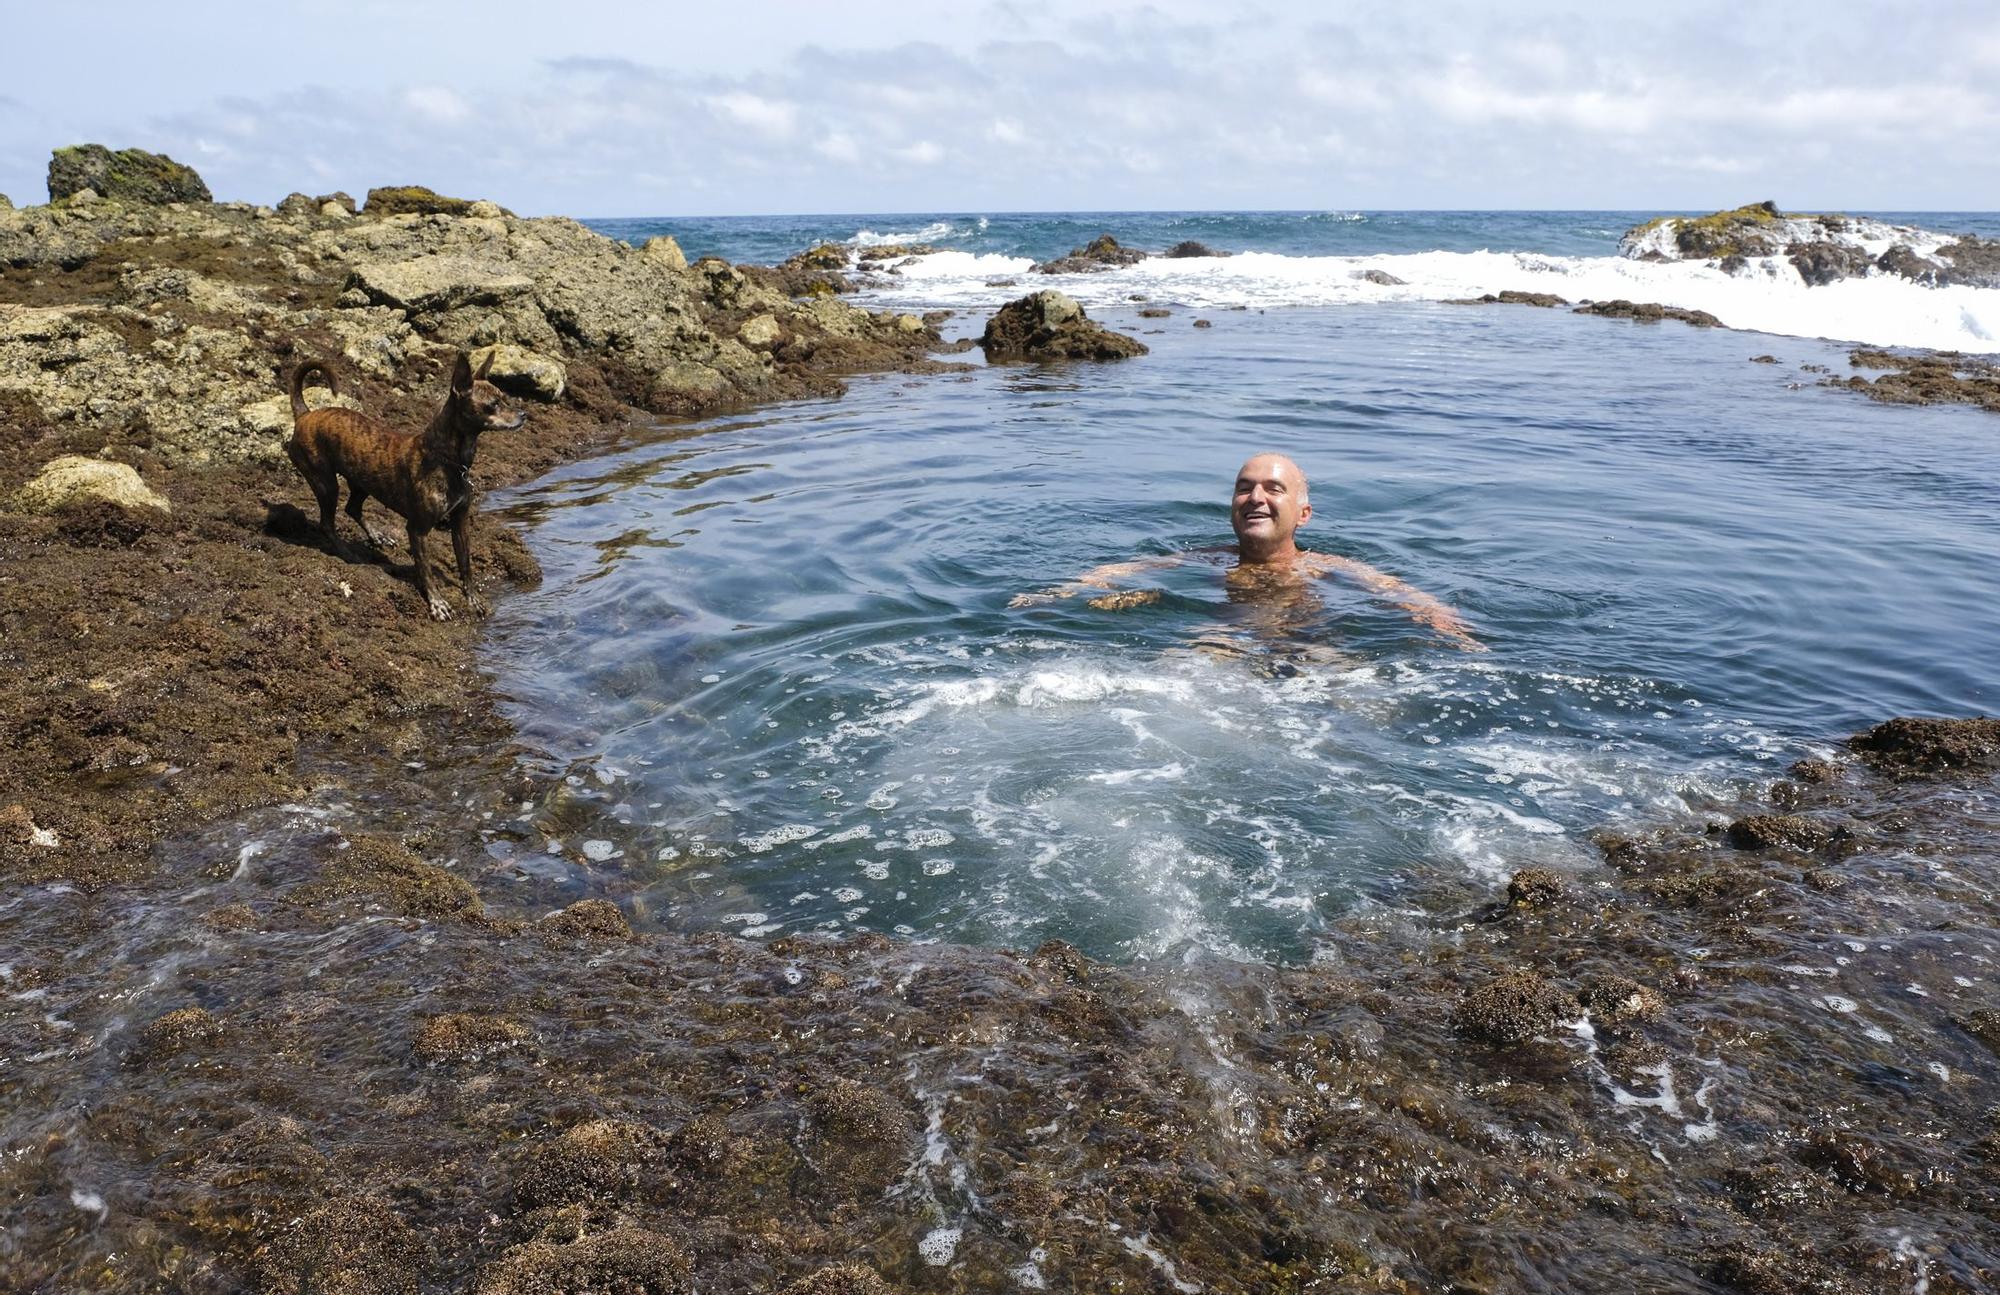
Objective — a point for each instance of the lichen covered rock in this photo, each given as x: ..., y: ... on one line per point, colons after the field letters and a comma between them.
x: 128, y: 175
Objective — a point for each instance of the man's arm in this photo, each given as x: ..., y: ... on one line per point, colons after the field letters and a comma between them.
x: 1097, y: 578
x: 1422, y: 608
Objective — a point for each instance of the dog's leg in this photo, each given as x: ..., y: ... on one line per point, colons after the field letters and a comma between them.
x: 461, y: 547
x: 440, y: 609
x: 356, y: 497
x: 327, y: 491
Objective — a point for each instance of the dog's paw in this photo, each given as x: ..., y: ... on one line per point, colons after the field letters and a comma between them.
x: 440, y: 609
x: 478, y: 606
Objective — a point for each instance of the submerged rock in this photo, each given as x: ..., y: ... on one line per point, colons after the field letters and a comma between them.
x: 1513, y: 1009
x: 624, y: 1261
x: 596, y: 919
x: 349, y: 1247
x: 1049, y: 325
x: 1383, y: 278
x: 74, y: 480
x: 128, y: 175
x: 466, y: 1036
x: 848, y: 1279
x: 1536, y: 888
x: 1769, y: 831
x: 1649, y: 312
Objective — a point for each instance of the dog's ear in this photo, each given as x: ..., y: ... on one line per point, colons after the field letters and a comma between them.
x: 461, y: 375
x: 487, y: 367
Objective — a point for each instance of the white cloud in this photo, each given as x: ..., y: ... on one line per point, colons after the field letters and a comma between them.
x: 767, y: 116
x: 1451, y: 104
x: 437, y: 103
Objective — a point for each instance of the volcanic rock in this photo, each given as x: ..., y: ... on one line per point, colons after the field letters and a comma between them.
x: 1768, y: 831
x: 1649, y: 312
x: 1049, y: 325
x: 1823, y: 262
x: 1190, y: 248
x: 1388, y: 280
x: 1101, y: 253
x: 128, y: 175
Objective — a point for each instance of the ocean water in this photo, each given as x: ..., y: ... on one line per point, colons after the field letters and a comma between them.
x: 778, y: 663
x: 1294, y: 259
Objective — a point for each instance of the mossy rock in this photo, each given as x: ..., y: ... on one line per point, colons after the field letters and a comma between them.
x: 129, y: 175
x: 414, y: 199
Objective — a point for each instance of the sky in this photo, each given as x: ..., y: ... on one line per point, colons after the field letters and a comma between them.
x: 589, y: 108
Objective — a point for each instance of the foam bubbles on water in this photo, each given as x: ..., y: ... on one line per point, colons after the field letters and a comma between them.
x: 939, y: 1245
x: 777, y: 836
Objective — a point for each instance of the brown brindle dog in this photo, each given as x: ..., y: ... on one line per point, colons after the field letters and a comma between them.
x: 425, y: 476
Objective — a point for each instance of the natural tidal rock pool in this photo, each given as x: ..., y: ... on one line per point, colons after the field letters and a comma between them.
x: 825, y: 921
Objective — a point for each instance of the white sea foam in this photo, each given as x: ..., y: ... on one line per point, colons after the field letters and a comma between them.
x: 935, y: 232
x: 1768, y: 296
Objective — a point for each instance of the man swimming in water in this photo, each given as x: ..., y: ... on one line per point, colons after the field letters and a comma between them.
x: 1270, y: 502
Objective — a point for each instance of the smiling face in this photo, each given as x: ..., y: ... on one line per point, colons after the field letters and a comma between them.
x: 1269, y: 506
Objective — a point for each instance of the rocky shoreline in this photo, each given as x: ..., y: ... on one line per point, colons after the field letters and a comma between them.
x: 254, y: 1044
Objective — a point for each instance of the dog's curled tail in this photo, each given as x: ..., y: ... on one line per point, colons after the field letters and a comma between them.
x: 299, y: 385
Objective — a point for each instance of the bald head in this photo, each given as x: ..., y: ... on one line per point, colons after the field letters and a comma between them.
x: 1267, y: 508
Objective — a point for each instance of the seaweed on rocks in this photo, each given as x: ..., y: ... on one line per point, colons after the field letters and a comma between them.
x: 1925, y: 378
x: 1908, y: 747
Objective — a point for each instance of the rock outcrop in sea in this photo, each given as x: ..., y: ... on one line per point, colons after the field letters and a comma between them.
x: 1049, y: 325
x: 1822, y: 248
x: 1101, y: 253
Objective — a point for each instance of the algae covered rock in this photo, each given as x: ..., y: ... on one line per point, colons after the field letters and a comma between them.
x: 75, y: 479
x: 1188, y: 248
x: 1905, y: 747
x: 128, y: 175
x: 350, y: 1247
x: 623, y: 1261
x: 466, y: 1036
x: 1050, y: 325
x: 414, y: 199
x: 1513, y: 1009
x: 438, y: 283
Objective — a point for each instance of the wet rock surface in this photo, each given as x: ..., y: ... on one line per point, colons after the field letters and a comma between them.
x: 1049, y: 325
x: 1822, y: 248
x: 1642, y: 1085
x: 1925, y: 378
x: 1649, y: 312
x: 1512, y: 297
